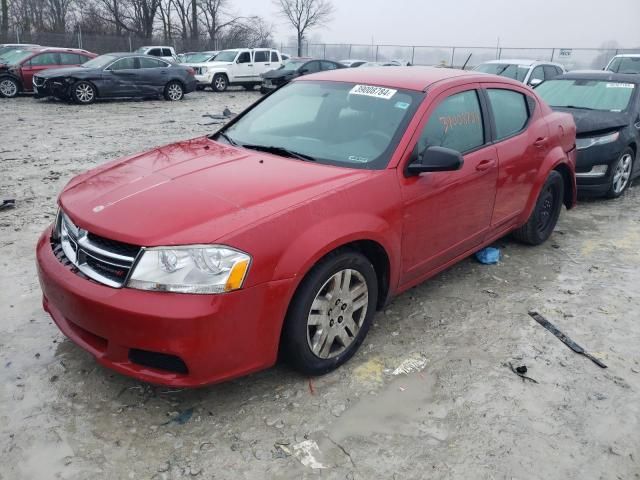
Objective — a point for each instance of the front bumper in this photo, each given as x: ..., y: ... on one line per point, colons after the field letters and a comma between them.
x: 217, y: 337
x: 587, y: 159
x: 205, y: 78
x: 50, y: 89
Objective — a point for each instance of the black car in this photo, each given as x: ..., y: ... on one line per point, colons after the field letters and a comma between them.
x: 295, y: 67
x: 606, y: 109
x: 116, y: 75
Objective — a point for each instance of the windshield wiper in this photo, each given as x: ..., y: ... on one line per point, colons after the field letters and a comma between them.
x: 228, y: 139
x: 285, y: 152
x: 578, y: 108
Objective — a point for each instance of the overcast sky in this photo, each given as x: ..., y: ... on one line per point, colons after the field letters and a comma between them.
x: 518, y: 23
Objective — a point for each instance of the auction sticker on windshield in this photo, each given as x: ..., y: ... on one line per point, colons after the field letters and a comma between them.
x: 370, y: 91
x: 620, y: 85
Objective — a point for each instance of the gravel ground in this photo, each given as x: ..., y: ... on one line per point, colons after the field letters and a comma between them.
x: 429, y: 395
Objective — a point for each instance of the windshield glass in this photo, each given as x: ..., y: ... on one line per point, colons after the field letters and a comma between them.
x: 15, y: 56
x: 510, y: 70
x: 197, y: 57
x: 588, y: 94
x: 141, y: 50
x: 625, y: 65
x: 292, y: 65
x: 342, y: 124
x: 99, y: 62
x: 226, y: 56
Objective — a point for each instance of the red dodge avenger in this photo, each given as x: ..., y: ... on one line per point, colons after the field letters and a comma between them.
x: 287, y: 229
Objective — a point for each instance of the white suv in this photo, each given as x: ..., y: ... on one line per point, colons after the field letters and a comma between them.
x: 239, y: 66
x: 627, y: 63
x: 529, y: 72
x: 162, y: 51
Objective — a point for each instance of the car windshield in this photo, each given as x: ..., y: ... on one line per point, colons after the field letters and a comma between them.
x: 141, y: 49
x: 292, y: 65
x: 625, y: 65
x: 15, y: 56
x: 587, y: 94
x: 343, y: 124
x: 99, y: 62
x: 197, y: 57
x: 226, y: 56
x: 510, y: 70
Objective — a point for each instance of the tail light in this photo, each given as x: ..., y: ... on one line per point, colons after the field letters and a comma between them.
x: 191, y: 71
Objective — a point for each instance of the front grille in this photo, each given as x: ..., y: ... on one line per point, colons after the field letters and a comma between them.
x: 106, y: 261
x: 199, y: 70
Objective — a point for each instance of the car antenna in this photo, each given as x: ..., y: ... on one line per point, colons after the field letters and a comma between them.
x: 465, y: 63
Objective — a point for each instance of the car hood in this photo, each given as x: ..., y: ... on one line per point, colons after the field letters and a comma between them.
x: 57, y: 72
x: 278, y: 74
x: 191, y: 192
x: 588, y: 121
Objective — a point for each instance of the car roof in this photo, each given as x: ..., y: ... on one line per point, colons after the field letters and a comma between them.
x: 408, y: 78
x: 126, y: 54
x: 601, y: 75
x: 634, y: 55
x: 52, y: 49
x: 520, y: 61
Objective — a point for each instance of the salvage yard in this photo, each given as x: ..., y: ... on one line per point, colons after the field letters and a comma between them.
x: 430, y: 394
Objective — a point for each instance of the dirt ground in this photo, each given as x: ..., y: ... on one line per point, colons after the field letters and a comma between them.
x: 429, y: 395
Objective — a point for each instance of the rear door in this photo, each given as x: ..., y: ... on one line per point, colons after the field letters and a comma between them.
x: 35, y: 64
x: 262, y: 62
x: 521, y: 137
x: 448, y: 213
x: 153, y: 74
x: 125, y: 79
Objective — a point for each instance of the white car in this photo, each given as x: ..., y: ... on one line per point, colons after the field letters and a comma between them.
x: 625, y: 63
x: 352, y: 62
x: 529, y: 72
x: 240, y: 66
x: 160, y: 51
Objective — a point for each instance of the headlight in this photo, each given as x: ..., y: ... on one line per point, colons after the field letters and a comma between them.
x: 191, y: 269
x: 582, y: 143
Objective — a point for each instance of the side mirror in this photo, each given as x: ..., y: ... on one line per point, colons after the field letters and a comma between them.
x: 534, y: 82
x: 436, y: 159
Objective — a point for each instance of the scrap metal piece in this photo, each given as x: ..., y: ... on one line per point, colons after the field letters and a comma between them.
x: 564, y: 339
x: 10, y: 203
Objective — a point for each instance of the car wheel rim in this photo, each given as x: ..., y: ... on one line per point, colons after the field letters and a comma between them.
x: 84, y: 93
x: 175, y: 92
x: 8, y: 88
x: 622, y: 173
x: 220, y: 83
x: 546, y: 209
x: 337, y: 313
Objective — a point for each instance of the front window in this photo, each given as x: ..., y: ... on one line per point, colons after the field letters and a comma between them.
x: 587, y: 94
x: 99, y: 62
x: 226, y: 56
x: 509, y: 70
x: 341, y: 124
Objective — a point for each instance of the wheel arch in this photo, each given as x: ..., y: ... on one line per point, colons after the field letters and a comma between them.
x: 569, y: 186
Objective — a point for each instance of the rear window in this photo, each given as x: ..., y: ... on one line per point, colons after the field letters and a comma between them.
x: 587, y: 94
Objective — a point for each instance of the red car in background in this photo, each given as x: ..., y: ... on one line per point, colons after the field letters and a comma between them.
x: 283, y: 232
x: 17, y: 67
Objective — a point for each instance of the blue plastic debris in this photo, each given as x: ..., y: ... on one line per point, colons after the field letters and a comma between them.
x: 488, y: 256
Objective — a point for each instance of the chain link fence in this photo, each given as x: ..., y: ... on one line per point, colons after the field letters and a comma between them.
x: 451, y: 56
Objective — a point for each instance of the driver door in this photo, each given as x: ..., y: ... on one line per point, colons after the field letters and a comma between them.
x: 447, y: 214
x: 243, y: 68
x: 123, y: 78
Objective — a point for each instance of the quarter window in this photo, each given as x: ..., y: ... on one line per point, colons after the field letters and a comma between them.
x: 456, y: 123
x: 274, y: 57
x: 509, y: 110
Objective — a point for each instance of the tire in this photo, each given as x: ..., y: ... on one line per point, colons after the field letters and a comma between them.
x: 173, y: 91
x: 621, y: 171
x: 545, y: 214
x: 263, y: 91
x: 219, y: 83
x: 9, y: 87
x: 338, y: 325
x: 83, y: 93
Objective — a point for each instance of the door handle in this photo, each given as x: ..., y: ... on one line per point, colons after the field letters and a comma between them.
x: 249, y: 64
x: 540, y: 142
x: 485, y: 165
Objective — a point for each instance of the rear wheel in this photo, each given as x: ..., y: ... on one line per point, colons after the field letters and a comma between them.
x: 9, y: 87
x: 83, y: 92
x: 545, y: 214
x: 173, y: 91
x: 331, y: 313
x: 621, y: 174
x: 219, y: 82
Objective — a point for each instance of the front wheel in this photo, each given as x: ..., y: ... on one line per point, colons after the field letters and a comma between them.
x: 621, y: 174
x: 331, y: 313
x: 9, y: 87
x: 173, y: 91
x: 545, y: 214
x: 83, y: 93
x: 219, y: 83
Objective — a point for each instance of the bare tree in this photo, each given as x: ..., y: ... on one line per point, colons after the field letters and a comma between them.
x: 4, y: 27
x: 305, y: 15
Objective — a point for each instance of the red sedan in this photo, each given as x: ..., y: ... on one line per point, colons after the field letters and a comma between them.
x: 199, y: 261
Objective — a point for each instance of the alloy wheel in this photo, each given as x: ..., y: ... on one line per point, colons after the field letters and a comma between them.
x: 174, y: 91
x: 622, y: 173
x: 337, y: 313
x: 8, y: 88
x: 84, y: 93
x: 220, y: 83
